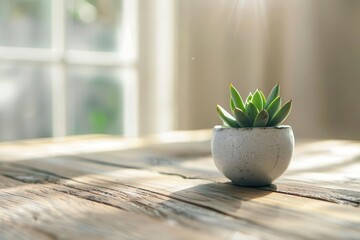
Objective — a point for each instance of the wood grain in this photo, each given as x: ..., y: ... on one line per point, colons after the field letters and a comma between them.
x: 306, y: 176
x: 52, y: 211
x: 166, y: 187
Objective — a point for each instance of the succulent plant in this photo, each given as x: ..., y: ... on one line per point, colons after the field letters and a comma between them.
x: 256, y: 111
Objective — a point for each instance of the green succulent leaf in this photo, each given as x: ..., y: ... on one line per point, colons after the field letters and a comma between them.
x: 274, y: 107
x: 235, y: 95
x: 248, y: 99
x: 242, y: 119
x: 256, y: 111
x: 272, y: 95
x: 263, y: 97
x: 257, y: 100
x: 227, y: 119
x: 281, y: 115
x: 232, y: 105
x: 261, y: 119
x: 252, y: 111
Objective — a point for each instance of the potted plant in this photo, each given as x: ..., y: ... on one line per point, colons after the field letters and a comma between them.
x: 251, y: 148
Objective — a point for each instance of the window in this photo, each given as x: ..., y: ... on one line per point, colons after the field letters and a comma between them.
x: 68, y: 67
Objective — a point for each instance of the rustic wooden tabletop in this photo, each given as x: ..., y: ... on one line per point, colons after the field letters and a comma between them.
x: 167, y: 187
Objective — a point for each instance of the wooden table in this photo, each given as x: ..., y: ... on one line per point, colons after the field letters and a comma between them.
x: 167, y: 187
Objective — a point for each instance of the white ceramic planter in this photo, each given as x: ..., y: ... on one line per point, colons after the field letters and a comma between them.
x: 252, y: 156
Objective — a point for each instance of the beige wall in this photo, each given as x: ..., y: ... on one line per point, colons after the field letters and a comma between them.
x: 311, y: 47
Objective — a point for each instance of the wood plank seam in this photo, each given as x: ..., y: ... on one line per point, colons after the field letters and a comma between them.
x: 26, y: 218
x: 55, y: 177
x: 334, y: 199
x: 58, y: 182
x: 133, y: 167
x: 89, y: 198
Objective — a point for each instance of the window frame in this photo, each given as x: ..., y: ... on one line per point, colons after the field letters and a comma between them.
x: 59, y: 58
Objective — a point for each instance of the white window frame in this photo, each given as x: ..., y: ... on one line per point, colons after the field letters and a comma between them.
x: 126, y: 61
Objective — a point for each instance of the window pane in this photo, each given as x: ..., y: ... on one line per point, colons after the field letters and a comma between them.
x: 25, y: 101
x: 93, y: 24
x: 25, y: 23
x: 94, y: 101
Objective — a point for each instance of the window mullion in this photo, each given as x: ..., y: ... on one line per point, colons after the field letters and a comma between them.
x: 58, y: 68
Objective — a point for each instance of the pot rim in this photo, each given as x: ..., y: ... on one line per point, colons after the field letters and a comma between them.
x: 221, y: 127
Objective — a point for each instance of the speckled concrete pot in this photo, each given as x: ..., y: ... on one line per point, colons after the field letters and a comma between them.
x: 252, y: 156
